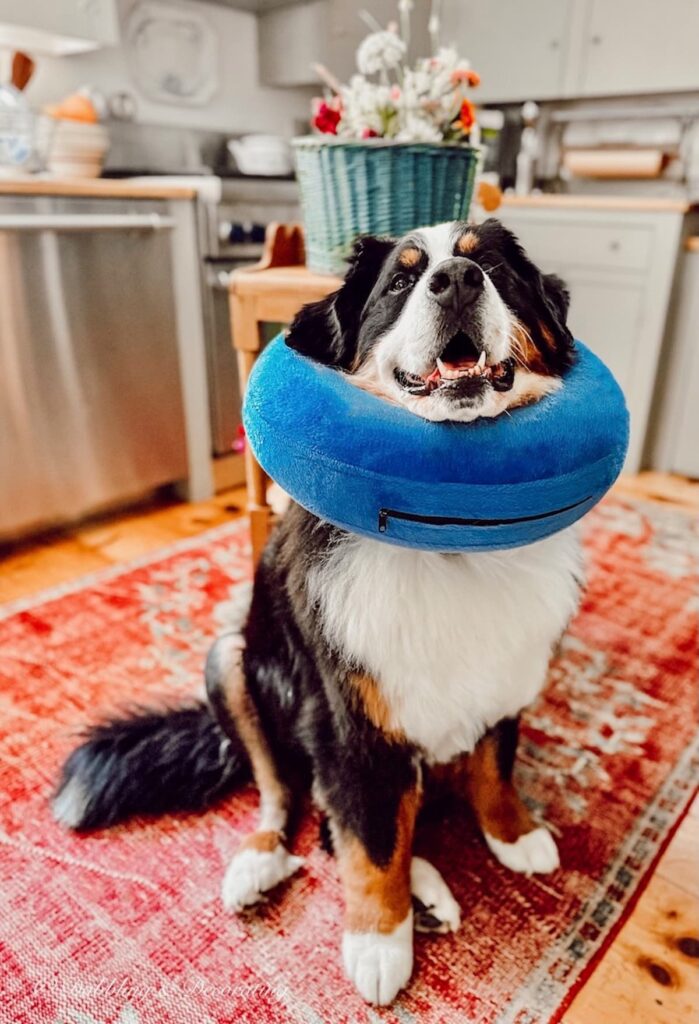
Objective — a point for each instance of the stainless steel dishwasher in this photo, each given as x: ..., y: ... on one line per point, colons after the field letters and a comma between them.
x: 91, y: 410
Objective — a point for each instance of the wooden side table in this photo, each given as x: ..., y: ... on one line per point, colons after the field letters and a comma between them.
x: 271, y: 291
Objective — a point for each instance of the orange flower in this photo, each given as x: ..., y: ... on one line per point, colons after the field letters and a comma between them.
x: 466, y: 75
x: 467, y: 116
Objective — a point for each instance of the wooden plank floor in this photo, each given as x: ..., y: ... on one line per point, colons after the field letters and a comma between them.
x: 650, y: 973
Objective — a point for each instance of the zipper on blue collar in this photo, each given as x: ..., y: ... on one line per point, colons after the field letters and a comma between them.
x: 413, y: 517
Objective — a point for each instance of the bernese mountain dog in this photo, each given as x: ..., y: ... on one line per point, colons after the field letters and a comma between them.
x: 366, y: 671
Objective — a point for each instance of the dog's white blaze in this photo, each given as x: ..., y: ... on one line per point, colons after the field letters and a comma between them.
x: 456, y: 642
x: 410, y: 341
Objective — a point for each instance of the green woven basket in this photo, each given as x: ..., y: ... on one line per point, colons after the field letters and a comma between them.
x: 378, y: 188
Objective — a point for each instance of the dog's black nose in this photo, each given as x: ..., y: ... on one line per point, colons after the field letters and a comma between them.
x: 457, y: 283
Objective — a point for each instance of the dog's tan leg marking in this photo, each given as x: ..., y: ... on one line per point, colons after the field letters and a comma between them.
x: 377, y: 945
x: 262, y: 860
x: 368, y: 694
x: 507, y: 825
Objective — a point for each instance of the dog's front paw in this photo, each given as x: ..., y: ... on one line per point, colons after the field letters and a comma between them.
x: 379, y: 964
x: 533, y: 853
x: 253, y: 872
x: 435, y: 908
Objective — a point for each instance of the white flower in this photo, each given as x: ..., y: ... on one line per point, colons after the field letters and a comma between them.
x: 417, y: 126
x: 380, y: 51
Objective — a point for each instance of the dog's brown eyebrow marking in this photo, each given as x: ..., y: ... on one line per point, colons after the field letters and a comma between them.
x: 410, y: 257
x: 467, y: 242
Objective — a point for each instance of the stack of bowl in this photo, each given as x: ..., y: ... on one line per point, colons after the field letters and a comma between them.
x: 70, y: 140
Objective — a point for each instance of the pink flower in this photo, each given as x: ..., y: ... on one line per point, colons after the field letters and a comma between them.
x: 369, y: 133
x: 395, y: 93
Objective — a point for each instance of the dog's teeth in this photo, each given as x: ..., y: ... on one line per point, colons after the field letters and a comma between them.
x: 481, y: 361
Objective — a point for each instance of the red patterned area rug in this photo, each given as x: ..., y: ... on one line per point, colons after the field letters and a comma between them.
x: 126, y: 926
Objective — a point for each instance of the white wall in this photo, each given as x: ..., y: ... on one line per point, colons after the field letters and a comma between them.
x: 241, y: 103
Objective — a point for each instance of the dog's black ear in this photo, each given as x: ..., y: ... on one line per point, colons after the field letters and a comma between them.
x: 327, y: 330
x: 557, y: 295
x: 555, y: 300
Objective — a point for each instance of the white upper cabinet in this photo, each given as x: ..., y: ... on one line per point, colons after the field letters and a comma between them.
x: 291, y: 40
x: 636, y: 47
x: 550, y: 49
x: 58, y: 27
x: 519, y: 47
x: 294, y: 37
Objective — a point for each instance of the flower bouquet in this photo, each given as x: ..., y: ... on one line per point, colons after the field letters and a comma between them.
x: 394, y: 149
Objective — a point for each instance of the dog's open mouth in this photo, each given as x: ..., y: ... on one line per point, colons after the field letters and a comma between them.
x: 461, y: 370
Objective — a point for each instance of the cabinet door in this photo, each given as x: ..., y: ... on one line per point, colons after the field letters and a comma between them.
x: 520, y: 49
x: 605, y: 313
x: 346, y: 29
x: 641, y: 47
x: 92, y: 20
x: 101, y: 24
x: 291, y: 40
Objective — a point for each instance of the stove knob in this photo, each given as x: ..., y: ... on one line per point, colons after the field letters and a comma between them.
x: 224, y: 231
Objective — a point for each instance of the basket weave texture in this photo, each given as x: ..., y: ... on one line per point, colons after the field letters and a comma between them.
x: 354, y: 188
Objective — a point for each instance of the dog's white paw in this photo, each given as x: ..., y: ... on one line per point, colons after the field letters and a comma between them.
x: 379, y: 965
x: 533, y: 853
x: 436, y: 909
x: 253, y: 872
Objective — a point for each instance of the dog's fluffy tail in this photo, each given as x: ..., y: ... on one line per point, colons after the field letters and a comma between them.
x: 152, y: 762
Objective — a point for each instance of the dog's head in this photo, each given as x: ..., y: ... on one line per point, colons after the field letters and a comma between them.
x: 453, y: 322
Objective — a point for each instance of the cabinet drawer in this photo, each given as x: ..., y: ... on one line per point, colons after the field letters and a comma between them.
x: 572, y: 244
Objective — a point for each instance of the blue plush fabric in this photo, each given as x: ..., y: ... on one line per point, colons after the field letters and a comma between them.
x: 348, y: 456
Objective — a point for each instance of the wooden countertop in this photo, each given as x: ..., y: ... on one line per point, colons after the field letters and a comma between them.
x: 642, y: 204
x: 107, y: 188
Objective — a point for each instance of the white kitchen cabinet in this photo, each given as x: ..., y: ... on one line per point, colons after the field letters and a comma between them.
x: 619, y: 265
x: 550, y: 49
x: 675, y: 437
x: 60, y: 27
x: 293, y: 38
x: 632, y: 47
x: 519, y: 49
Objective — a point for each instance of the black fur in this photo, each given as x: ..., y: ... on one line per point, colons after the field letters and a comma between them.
x: 506, y: 735
x: 300, y: 687
x: 534, y: 297
x: 328, y: 330
x: 150, y: 763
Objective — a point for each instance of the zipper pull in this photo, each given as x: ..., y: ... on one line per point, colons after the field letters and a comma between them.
x: 383, y: 520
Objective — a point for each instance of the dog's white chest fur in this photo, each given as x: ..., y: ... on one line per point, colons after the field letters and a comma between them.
x: 457, y: 641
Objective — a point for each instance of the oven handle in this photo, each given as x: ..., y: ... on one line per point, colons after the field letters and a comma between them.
x: 96, y: 222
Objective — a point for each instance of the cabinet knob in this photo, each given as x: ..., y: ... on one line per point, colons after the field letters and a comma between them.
x: 615, y: 246
x: 596, y: 40
x: 555, y: 44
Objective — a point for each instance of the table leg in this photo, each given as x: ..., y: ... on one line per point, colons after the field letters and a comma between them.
x: 256, y: 479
